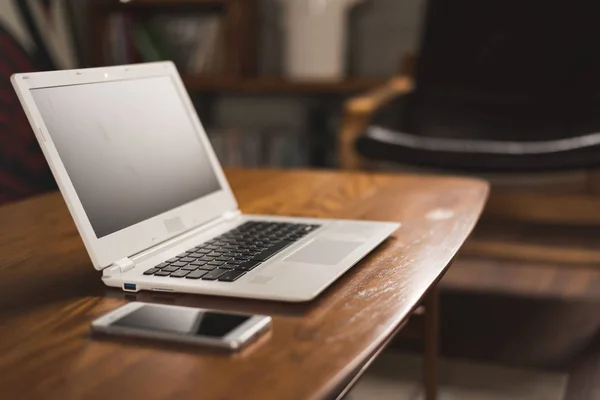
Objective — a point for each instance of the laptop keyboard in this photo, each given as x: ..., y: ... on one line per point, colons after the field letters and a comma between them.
x: 229, y: 256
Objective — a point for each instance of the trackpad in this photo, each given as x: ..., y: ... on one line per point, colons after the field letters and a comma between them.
x: 324, y: 251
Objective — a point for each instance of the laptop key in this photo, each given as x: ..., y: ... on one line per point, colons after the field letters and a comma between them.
x: 197, y: 274
x: 207, y: 267
x: 190, y: 267
x: 162, y: 265
x: 248, y: 265
x: 162, y: 272
x: 179, y: 274
x: 169, y: 269
x: 187, y: 259
x: 151, y: 271
x: 231, y: 276
x: 178, y: 264
x: 172, y: 260
x: 198, y: 263
x: 271, y: 251
x: 216, y: 263
x: 214, y: 274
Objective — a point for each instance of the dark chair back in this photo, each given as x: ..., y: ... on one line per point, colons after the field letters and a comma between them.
x: 509, y: 69
x: 500, y: 85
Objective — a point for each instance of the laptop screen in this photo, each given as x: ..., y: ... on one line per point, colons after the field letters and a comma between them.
x: 129, y: 147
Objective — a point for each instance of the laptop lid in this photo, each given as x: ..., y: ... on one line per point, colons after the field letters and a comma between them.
x: 128, y: 152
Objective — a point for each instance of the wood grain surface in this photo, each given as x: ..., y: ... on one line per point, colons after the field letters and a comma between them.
x: 50, y: 293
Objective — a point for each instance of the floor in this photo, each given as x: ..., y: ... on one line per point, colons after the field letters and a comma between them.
x: 525, y: 315
x: 396, y: 375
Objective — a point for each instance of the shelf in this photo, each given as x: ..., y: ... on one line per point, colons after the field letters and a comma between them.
x: 171, y: 2
x: 277, y: 85
x: 162, y: 4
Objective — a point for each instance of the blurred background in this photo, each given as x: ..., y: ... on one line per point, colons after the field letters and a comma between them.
x: 257, y: 108
x: 506, y: 90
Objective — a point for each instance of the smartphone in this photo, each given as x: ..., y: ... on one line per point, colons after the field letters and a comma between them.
x: 182, y: 325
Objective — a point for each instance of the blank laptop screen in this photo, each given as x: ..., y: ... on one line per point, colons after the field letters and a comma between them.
x: 129, y: 148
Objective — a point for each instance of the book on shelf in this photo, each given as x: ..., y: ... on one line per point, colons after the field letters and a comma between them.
x: 146, y: 44
x: 195, y: 43
x: 207, y: 51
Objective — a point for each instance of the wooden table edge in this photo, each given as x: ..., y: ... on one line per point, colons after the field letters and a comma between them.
x: 351, y: 374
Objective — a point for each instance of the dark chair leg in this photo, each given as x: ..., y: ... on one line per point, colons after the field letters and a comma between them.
x: 431, y: 334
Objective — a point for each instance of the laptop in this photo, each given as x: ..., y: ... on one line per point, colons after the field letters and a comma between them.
x: 151, y: 202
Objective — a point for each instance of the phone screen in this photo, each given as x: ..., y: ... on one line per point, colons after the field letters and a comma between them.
x: 184, y: 321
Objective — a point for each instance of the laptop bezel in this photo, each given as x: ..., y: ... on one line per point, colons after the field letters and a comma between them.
x: 143, y: 235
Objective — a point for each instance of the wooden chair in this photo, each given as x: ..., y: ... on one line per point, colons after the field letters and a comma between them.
x: 506, y: 88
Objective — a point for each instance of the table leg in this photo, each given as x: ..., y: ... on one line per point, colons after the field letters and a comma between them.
x: 431, y: 335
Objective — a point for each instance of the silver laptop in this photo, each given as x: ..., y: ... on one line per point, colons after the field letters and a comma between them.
x: 150, y: 199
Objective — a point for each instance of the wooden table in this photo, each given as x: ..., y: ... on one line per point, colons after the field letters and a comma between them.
x: 49, y: 294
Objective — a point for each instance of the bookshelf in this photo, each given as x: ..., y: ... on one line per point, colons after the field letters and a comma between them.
x: 239, y: 74
x: 278, y: 85
x: 168, y: 3
x: 238, y: 26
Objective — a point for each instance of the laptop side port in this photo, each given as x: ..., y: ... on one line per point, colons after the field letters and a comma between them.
x: 130, y: 287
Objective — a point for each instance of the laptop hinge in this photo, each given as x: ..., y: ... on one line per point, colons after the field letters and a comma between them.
x: 229, y: 215
x: 119, y: 267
